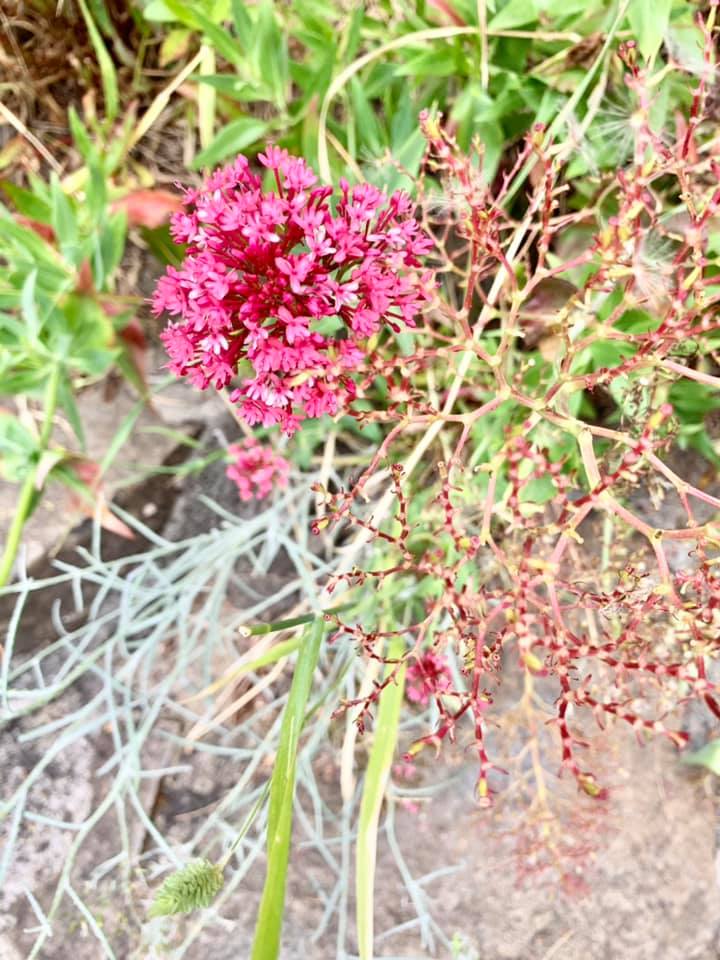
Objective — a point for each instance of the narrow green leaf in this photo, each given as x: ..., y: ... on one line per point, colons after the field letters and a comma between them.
x: 234, y: 87
x: 66, y: 398
x: 266, y: 944
x: 233, y: 138
x: 111, y: 243
x: 64, y: 223
x: 80, y: 135
x: 28, y: 242
x: 376, y: 778
x: 370, y: 134
x: 243, y: 24
x: 121, y: 435
x: 28, y: 305
x: 108, y: 76
x: 271, y: 52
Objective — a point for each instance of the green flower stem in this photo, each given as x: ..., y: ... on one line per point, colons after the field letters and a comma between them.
x: 27, y: 492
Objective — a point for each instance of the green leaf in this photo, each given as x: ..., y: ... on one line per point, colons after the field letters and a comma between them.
x: 235, y: 137
x: 174, y: 46
x: 108, y: 77
x: 81, y: 136
x: 64, y: 223
x: 649, y: 20
x: 692, y: 400
x: 82, y: 334
x: 221, y: 40
x: 29, y: 244
x: 271, y: 54
x: 157, y: 12
x: 516, y: 13
x: 110, y: 248
x: 243, y: 24
x: 234, y: 87
x: 18, y: 448
x: 66, y: 398
x: 707, y: 756
x: 28, y: 305
x: 26, y: 202
x: 442, y: 61
x: 162, y: 245
x: 266, y: 944
x: 376, y: 778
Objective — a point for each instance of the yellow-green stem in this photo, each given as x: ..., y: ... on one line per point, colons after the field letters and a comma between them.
x: 27, y: 492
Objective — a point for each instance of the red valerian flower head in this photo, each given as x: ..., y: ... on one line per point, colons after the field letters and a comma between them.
x: 256, y: 469
x: 289, y: 282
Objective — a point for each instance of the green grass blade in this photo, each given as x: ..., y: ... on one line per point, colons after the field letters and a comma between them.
x: 266, y: 945
x: 108, y: 76
x: 376, y: 778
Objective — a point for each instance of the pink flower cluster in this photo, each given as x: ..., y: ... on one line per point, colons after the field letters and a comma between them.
x: 291, y: 283
x: 429, y: 675
x: 256, y: 469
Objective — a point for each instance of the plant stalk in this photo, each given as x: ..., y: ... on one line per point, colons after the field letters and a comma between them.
x: 27, y: 492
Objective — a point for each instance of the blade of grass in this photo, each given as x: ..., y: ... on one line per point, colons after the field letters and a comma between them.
x: 207, y: 97
x: 153, y: 112
x: 376, y: 778
x: 108, y: 76
x: 266, y: 944
x: 30, y: 486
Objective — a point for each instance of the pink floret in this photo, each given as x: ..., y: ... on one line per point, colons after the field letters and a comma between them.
x: 256, y: 470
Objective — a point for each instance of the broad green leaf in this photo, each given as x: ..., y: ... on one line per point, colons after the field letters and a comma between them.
x: 516, y: 13
x: 221, y: 40
x: 26, y: 202
x: 266, y: 944
x: 649, y: 20
x: 233, y: 138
